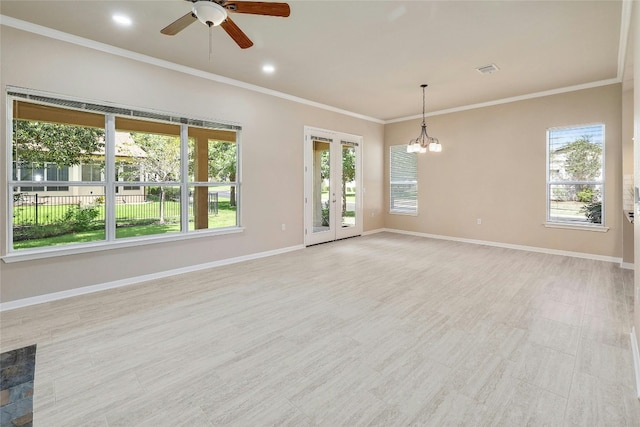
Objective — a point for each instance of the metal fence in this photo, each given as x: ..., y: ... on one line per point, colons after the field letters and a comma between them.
x: 37, y: 209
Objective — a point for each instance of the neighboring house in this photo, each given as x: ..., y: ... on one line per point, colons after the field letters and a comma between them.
x: 127, y: 169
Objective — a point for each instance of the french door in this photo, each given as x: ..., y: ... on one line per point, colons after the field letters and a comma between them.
x: 333, y: 195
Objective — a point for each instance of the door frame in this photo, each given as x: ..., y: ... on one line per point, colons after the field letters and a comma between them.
x: 335, y: 231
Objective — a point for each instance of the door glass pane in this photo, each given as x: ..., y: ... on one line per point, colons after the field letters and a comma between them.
x: 349, y: 190
x: 321, y: 186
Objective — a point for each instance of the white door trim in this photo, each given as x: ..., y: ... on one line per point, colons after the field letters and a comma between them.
x: 335, y: 230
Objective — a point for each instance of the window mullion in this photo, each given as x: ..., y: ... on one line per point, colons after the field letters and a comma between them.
x: 576, y: 182
x: 109, y: 179
x: 237, y: 180
x: 184, y: 178
x: 9, y: 167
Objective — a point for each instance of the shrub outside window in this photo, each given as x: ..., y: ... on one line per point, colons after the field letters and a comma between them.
x: 575, y: 175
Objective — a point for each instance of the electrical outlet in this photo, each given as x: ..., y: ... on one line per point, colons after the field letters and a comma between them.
x: 479, y: 221
x: 284, y: 227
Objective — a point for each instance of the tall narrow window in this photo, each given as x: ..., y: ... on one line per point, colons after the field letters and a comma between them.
x: 148, y: 175
x: 575, y: 175
x: 213, y: 174
x: 48, y: 146
x: 403, y: 181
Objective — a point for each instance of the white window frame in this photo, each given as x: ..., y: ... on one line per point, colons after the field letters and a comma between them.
x: 577, y: 225
x: 393, y: 180
x: 110, y: 111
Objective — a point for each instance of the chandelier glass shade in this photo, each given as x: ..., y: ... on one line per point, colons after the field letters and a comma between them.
x: 424, y: 142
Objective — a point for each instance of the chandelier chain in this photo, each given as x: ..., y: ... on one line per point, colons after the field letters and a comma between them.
x: 423, y: 105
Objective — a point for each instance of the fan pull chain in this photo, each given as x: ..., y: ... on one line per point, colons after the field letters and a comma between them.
x: 210, y: 43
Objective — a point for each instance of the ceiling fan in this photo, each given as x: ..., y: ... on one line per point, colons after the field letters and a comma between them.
x: 215, y: 12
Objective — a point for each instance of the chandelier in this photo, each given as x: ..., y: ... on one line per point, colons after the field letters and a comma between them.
x: 424, y: 141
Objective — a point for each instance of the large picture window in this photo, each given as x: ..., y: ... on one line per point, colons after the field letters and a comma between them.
x: 403, y: 181
x: 575, y: 175
x: 83, y: 176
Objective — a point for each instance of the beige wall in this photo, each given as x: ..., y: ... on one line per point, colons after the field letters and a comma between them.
x: 272, y: 159
x: 492, y: 167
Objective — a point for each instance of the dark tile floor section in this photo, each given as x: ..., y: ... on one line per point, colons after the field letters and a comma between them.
x: 17, y: 369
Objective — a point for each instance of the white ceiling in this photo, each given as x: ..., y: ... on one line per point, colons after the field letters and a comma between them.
x: 370, y: 57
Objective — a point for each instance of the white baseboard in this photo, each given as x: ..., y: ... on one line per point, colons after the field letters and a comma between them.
x: 636, y: 360
x: 40, y: 299
x: 511, y: 246
x: 377, y: 230
x: 626, y: 265
x: 25, y: 302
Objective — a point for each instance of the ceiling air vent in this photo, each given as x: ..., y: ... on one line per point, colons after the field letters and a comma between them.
x: 487, y: 69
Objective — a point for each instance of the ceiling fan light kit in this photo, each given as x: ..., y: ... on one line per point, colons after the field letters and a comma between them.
x: 209, y: 13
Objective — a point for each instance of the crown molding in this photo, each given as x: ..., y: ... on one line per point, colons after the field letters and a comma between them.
x: 103, y: 47
x: 511, y: 99
x: 625, y: 26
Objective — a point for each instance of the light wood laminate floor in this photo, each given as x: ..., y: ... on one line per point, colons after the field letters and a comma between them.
x: 387, y: 330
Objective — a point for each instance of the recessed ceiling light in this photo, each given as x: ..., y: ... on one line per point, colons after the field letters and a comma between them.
x: 268, y: 68
x: 122, y: 19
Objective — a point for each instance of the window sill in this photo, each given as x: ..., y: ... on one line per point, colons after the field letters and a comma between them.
x: 596, y: 228
x: 34, y: 254
x: 403, y: 213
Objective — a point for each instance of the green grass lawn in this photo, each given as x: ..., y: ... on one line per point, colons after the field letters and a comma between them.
x: 226, y: 217
x: 65, y: 239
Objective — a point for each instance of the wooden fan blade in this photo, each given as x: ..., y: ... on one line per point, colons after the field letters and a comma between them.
x: 179, y: 24
x: 236, y: 33
x: 258, y: 8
